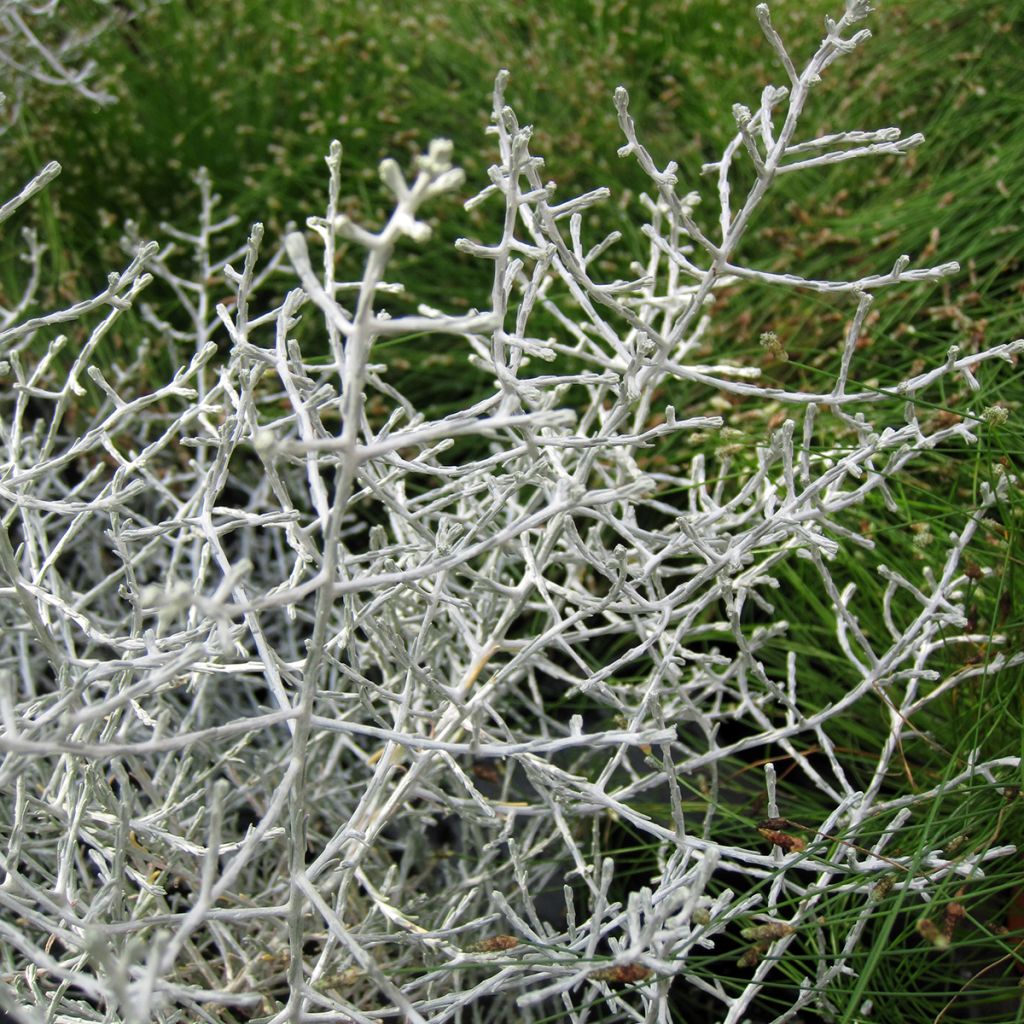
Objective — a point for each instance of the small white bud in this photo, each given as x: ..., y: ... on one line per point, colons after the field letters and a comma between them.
x: 264, y: 442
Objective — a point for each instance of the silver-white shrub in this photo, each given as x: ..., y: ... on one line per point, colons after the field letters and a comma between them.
x: 285, y: 661
x: 39, y: 49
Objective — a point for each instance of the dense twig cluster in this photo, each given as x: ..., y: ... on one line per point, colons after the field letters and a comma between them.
x: 37, y: 48
x: 318, y: 707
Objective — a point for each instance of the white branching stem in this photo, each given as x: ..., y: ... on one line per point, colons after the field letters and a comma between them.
x: 317, y: 705
x: 38, y: 49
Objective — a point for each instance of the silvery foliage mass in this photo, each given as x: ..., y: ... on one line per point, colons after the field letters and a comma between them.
x: 290, y: 671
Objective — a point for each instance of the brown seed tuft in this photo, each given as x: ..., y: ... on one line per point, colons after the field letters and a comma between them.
x: 752, y: 957
x: 495, y: 944
x: 791, y: 844
x: 621, y: 974
x: 773, y: 930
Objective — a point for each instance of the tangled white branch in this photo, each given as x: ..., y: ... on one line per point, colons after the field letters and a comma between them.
x: 37, y: 48
x: 316, y: 706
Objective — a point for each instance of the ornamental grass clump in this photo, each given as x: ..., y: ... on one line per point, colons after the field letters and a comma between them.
x: 319, y: 705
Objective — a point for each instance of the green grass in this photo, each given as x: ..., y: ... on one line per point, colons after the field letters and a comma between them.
x: 255, y: 91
